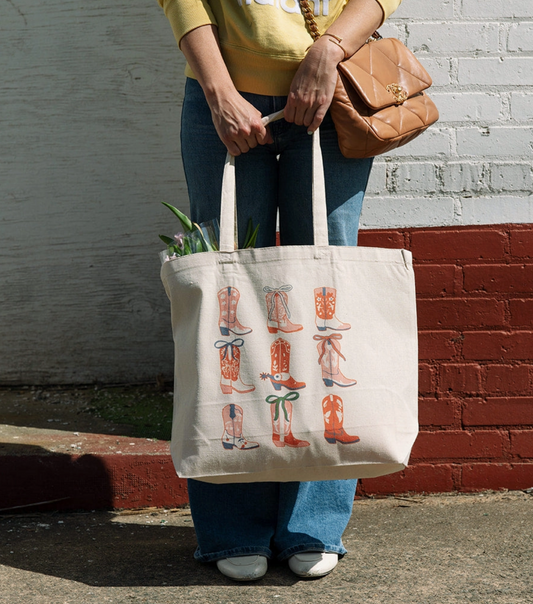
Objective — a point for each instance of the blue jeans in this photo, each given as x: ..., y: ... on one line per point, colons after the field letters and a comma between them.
x: 271, y: 519
x: 266, y: 184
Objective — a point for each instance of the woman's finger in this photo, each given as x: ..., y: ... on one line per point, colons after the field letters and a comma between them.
x: 318, y: 118
x: 251, y: 141
x: 242, y: 144
x: 266, y: 138
x: 310, y: 114
x: 232, y: 148
x: 289, y: 112
x: 300, y: 113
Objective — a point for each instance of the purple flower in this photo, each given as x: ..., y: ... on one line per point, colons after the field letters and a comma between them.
x: 179, y: 240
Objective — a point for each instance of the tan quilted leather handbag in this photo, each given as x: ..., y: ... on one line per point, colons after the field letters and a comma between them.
x: 379, y: 102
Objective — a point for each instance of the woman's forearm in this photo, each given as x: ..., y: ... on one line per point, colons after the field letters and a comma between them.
x: 356, y: 23
x: 202, y: 51
x: 237, y: 122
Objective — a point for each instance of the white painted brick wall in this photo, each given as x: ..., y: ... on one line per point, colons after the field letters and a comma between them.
x: 470, y: 106
x: 495, y: 141
x: 411, y: 177
x: 511, y: 176
x: 478, y: 158
x: 501, y: 71
x: 438, y: 38
x: 520, y: 37
x: 500, y: 9
x: 522, y: 106
x: 420, y: 10
x: 417, y: 211
x: 435, y: 142
x: 441, y: 69
x: 493, y: 210
x: 458, y: 177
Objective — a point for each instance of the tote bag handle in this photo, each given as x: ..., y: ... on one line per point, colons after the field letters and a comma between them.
x: 228, y: 200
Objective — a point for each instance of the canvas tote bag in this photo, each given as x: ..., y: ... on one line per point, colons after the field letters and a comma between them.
x: 292, y: 363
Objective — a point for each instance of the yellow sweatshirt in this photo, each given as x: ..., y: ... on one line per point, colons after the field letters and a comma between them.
x: 262, y: 41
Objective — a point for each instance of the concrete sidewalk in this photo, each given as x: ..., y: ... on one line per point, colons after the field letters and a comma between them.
x: 404, y: 550
x: 438, y: 549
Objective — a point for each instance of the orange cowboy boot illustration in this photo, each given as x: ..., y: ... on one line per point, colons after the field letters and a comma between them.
x: 280, y: 358
x: 333, y: 410
x: 278, y: 310
x: 281, y: 411
x: 328, y: 358
x: 232, y: 437
x: 230, y: 363
x: 325, y: 305
x: 228, y: 299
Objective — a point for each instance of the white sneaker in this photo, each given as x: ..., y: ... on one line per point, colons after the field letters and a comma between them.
x: 243, y: 568
x: 313, y: 564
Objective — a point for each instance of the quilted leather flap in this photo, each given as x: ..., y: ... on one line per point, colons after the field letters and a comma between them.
x: 385, y: 73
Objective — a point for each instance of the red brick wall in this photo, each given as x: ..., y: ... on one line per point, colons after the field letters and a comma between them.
x: 475, y: 316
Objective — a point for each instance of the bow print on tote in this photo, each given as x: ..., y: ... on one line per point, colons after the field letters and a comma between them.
x: 329, y: 352
x: 277, y: 302
x: 282, y: 435
x: 230, y: 363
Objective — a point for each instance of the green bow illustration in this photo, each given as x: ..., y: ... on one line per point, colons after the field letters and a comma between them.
x: 279, y: 401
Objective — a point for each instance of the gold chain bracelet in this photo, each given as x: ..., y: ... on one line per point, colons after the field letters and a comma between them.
x: 313, y: 27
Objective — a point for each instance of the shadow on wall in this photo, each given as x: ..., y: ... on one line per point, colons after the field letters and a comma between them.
x: 33, y: 478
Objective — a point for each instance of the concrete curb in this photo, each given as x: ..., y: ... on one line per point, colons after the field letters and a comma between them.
x: 72, y: 471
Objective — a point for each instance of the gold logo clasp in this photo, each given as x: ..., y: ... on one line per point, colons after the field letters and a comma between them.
x: 398, y: 93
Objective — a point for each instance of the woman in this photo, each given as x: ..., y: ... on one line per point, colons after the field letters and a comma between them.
x: 247, y: 59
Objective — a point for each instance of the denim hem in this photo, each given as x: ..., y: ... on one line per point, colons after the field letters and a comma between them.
x: 249, y: 550
x: 311, y: 547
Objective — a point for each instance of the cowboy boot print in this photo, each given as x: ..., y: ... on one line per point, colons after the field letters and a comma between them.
x: 277, y: 302
x: 230, y: 363
x: 228, y: 299
x: 329, y: 353
x: 333, y: 412
x: 281, y: 412
x: 325, y: 307
x: 232, y: 438
x: 280, y: 358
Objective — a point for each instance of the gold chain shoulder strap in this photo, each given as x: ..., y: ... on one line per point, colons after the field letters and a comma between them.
x: 313, y: 27
x: 310, y: 19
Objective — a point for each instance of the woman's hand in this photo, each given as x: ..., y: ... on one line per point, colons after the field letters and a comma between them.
x: 237, y: 122
x: 313, y: 85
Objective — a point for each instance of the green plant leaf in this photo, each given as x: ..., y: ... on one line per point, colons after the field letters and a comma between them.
x: 184, y: 219
x: 253, y: 238
x: 251, y: 235
x: 166, y: 240
x: 174, y: 249
x: 249, y: 230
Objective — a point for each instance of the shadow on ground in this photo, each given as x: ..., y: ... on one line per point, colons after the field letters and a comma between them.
x: 105, y: 550
x: 441, y: 549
